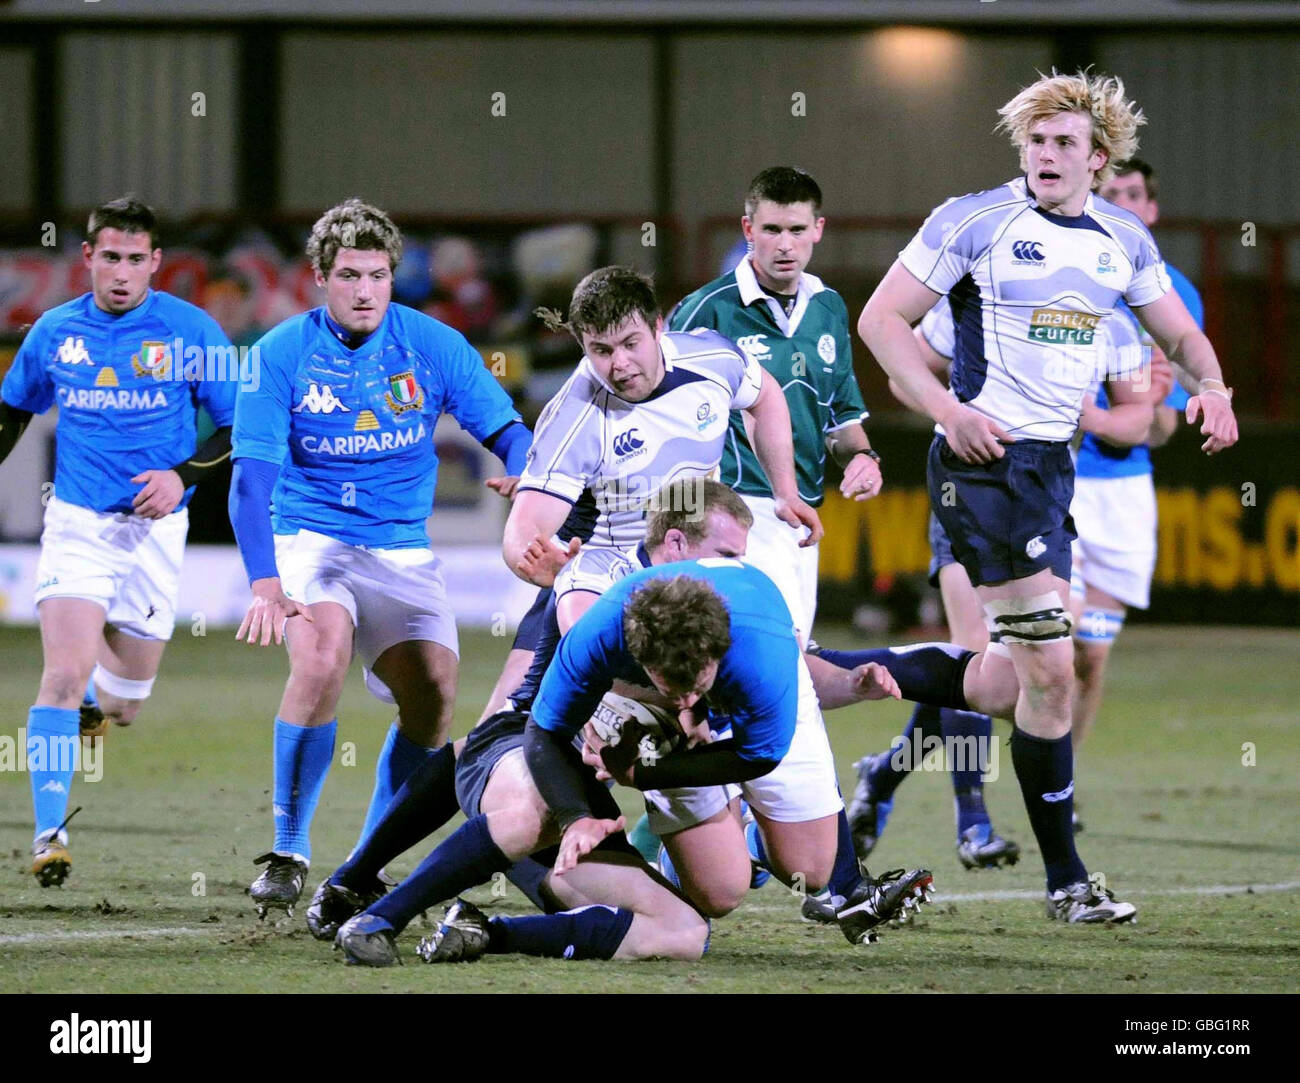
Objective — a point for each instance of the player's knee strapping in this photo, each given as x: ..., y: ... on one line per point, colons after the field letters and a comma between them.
x: 1097, y: 625
x: 1031, y: 620
x: 121, y: 687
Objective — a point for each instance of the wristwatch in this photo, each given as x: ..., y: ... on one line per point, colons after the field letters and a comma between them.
x: 870, y: 453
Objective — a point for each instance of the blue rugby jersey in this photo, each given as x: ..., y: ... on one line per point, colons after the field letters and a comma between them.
x: 128, y: 388
x: 352, y: 429
x: 757, y: 682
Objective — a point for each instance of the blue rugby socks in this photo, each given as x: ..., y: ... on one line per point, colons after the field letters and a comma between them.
x: 52, y: 746
x: 302, y: 760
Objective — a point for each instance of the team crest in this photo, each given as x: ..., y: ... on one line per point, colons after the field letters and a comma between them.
x: 404, y: 393
x: 826, y: 349
x: 154, y: 359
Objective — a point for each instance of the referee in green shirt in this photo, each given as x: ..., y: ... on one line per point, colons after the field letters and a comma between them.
x: 797, y: 328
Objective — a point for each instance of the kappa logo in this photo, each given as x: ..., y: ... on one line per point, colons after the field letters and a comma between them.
x: 754, y: 346
x: 1034, y: 548
x: 73, y: 352
x: 627, y: 443
x: 1027, y: 252
x: 317, y: 401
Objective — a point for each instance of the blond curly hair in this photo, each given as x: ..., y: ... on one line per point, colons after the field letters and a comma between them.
x: 1115, y: 120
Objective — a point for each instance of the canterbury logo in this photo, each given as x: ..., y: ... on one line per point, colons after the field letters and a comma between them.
x: 627, y: 442
x: 1060, y: 795
x: 754, y: 346
x: 317, y: 401
x: 1029, y: 251
x: 73, y: 352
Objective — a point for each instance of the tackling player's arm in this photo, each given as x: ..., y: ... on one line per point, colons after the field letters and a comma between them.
x: 1186, y: 345
x: 886, y: 327
x: 936, y: 362
x: 529, y: 545
x: 769, y: 425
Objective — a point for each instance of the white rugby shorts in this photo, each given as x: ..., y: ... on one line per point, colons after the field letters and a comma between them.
x: 1116, y: 547
x: 392, y: 595
x: 127, y: 564
x: 773, y: 548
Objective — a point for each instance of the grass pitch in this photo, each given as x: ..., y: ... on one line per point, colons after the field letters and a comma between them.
x: 1205, y: 844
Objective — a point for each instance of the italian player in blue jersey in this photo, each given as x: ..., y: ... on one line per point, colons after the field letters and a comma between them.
x: 129, y: 367
x: 1114, y: 506
x: 1030, y: 269
x: 337, y: 439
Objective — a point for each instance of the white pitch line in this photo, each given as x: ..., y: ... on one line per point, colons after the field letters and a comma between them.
x: 979, y: 896
x: 104, y: 934
x: 1208, y: 889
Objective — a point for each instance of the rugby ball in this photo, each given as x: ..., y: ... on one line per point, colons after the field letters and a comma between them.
x: 657, y: 731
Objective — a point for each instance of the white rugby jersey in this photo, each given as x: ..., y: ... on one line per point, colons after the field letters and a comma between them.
x: 1122, y: 345
x: 590, y: 444
x: 1028, y: 291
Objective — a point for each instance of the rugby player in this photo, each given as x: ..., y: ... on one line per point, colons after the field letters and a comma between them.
x: 1030, y: 269
x: 716, y: 527
x: 129, y: 367
x: 643, y: 407
x: 978, y: 845
x: 797, y: 329
x: 339, y: 434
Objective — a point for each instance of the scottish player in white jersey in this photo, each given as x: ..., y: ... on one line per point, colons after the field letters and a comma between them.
x: 643, y: 408
x: 338, y: 438
x: 1030, y: 270
x: 128, y: 368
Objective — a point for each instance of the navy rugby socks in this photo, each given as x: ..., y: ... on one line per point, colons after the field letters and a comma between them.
x: 466, y: 859
x: 1045, y: 770
x: 426, y: 801
x: 590, y: 932
x: 399, y: 758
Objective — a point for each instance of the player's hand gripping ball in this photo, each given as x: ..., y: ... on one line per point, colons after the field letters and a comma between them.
x: 624, y: 732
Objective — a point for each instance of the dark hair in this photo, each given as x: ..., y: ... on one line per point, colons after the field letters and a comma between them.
x: 126, y: 215
x: 676, y: 627
x: 686, y: 504
x: 352, y: 224
x: 607, y: 297
x: 784, y: 185
x: 1137, y: 165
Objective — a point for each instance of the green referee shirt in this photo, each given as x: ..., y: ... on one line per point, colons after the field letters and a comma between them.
x: 807, y: 352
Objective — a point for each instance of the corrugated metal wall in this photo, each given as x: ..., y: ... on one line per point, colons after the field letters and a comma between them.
x: 129, y: 124
x: 409, y: 123
x: 894, y: 120
x: 1223, y: 120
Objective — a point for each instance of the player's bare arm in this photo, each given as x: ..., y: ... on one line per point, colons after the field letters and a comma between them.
x: 769, y: 425
x: 1133, y: 403
x: 885, y: 326
x: 836, y: 687
x: 1185, y: 344
x: 528, y: 546
x: 862, y: 476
